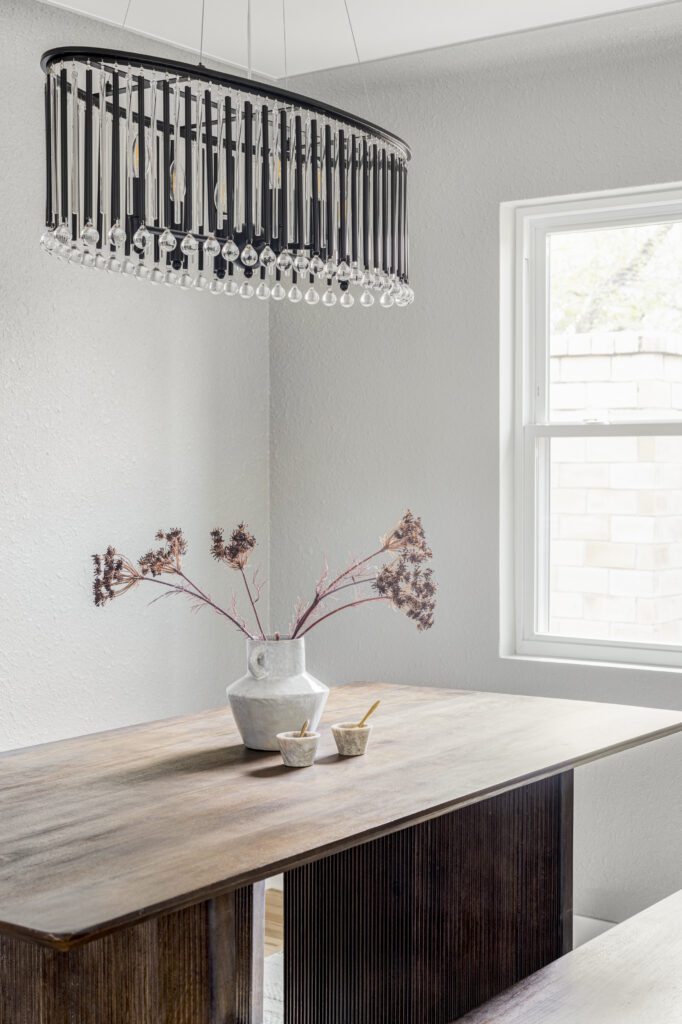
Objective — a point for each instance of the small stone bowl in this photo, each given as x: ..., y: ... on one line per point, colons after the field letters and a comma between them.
x: 298, y: 751
x: 351, y: 741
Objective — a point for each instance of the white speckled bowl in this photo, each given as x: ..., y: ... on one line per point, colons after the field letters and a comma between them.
x: 351, y: 741
x: 298, y: 751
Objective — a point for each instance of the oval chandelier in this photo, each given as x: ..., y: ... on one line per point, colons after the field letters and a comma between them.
x: 174, y: 173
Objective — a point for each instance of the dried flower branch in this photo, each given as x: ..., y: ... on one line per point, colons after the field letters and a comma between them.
x: 403, y: 581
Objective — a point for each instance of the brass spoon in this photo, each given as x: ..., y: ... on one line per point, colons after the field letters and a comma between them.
x: 375, y: 705
x: 304, y: 729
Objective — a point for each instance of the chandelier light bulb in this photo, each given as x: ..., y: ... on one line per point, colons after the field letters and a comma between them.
x: 156, y: 275
x: 246, y: 290
x: 201, y: 283
x: 231, y: 287
x: 262, y: 291
x: 347, y: 300
x: 295, y: 294
x: 312, y: 297
x: 386, y: 300
x: 170, y: 277
x: 366, y: 299
x: 278, y: 293
x: 216, y: 286
x: 329, y: 298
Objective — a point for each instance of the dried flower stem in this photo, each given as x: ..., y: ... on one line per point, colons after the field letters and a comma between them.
x: 196, y: 593
x: 328, y: 591
x: 253, y: 603
x: 351, y: 604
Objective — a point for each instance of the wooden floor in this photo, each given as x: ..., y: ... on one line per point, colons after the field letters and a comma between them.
x: 274, y: 921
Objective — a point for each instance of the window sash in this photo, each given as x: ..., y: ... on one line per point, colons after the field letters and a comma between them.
x: 524, y: 319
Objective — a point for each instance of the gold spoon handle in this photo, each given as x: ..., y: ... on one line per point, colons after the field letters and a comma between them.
x: 304, y: 729
x: 371, y: 711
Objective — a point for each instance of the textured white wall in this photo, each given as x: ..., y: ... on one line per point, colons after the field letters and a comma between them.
x: 373, y: 411
x: 124, y: 408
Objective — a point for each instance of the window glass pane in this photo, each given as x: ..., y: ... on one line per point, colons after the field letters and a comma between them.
x: 615, y: 547
x: 615, y: 323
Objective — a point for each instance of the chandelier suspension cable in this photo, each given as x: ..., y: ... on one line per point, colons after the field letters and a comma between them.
x: 284, y: 39
x: 359, y: 62
x: 201, y: 38
x: 125, y: 16
x: 249, y: 66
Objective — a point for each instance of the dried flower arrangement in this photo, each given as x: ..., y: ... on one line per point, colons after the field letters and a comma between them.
x: 403, y: 581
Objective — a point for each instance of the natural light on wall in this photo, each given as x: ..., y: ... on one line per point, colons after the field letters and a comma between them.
x: 598, y: 560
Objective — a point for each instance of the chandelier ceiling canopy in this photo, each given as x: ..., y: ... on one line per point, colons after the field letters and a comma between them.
x: 175, y: 173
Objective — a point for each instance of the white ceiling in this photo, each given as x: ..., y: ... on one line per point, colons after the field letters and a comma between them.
x: 318, y: 32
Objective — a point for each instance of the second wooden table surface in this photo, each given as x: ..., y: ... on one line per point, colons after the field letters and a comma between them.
x: 111, y: 828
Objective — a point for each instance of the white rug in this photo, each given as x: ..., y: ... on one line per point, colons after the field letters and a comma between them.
x: 273, y: 992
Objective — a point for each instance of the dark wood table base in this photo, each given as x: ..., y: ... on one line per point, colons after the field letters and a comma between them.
x: 202, y: 965
x: 423, y: 925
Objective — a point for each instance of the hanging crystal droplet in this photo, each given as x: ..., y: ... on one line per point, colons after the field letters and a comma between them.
x: 347, y: 300
x: 312, y: 297
x: 63, y: 234
x: 386, y: 300
x: 186, y: 280
x: 141, y: 237
x: 267, y: 257
x: 262, y: 291
x: 100, y: 262
x: 212, y: 246
x: 231, y: 287
x: 88, y: 261
x: 90, y: 235
x: 249, y: 257
x: 63, y: 251
x: 230, y: 251
x: 128, y: 268
x: 201, y: 283
x: 155, y: 275
x: 295, y: 294
x: 246, y: 290
x: 142, y: 272
x: 114, y: 265
x: 356, y: 274
x: 189, y: 244
x: 168, y: 241
x: 170, y: 278
x: 48, y: 240
x: 366, y: 299
x: 76, y: 257
x: 284, y: 260
x: 301, y: 263
x: 329, y: 297
x: 409, y: 294
x: 368, y: 279
x: 117, y: 235
x: 330, y: 268
x: 343, y: 271
x: 278, y: 293
x: 216, y: 287
x: 316, y: 266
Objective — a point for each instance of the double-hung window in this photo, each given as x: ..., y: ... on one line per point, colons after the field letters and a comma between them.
x: 591, y: 456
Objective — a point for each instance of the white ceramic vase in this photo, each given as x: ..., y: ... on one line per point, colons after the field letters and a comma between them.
x: 276, y: 694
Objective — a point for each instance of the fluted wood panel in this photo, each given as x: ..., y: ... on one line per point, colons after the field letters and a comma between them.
x: 192, y: 966
x: 420, y: 926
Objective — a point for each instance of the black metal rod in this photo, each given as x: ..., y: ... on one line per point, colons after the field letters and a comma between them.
x: 343, y: 239
x: 98, y: 55
x: 376, y: 238
x: 229, y: 173
x: 142, y: 149
x: 165, y: 92
x: 394, y: 199
x: 399, y: 260
x: 210, y: 180
x: 354, y: 199
x: 406, y: 227
x: 329, y: 175
x: 115, y: 149
x: 266, y: 199
x: 64, y: 144
x: 284, y: 181
x: 365, y: 204
x: 188, y: 205
x: 48, y: 152
x: 314, y: 189
x: 248, y: 169
x: 299, y: 183
x: 87, y: 148
x: 384, y: 210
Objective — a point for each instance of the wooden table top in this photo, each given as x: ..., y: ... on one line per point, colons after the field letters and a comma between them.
x: 108, y: 829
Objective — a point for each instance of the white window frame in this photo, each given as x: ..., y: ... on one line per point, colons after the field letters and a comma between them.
x: 524, y: 384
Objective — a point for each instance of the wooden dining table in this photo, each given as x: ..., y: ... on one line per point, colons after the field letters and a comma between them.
x: 419, y: 880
